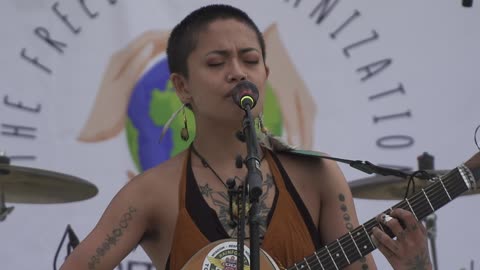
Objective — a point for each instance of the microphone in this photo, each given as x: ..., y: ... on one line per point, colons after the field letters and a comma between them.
x: 245, y: 95
x: 72, y: 237
x: 467, y: 3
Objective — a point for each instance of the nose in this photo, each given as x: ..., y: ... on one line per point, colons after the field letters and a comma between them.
x: 236, y: 73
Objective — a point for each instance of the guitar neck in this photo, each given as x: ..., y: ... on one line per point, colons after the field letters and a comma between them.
x: 357, y: 243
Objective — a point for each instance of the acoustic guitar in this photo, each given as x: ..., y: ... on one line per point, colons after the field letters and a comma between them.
x: 355, y: 244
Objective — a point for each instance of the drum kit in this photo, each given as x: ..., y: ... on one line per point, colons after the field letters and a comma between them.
x: 36, y: 186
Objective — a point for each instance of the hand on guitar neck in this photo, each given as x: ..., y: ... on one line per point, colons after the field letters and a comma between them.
x: 410, y: 248
x: 474, y: 165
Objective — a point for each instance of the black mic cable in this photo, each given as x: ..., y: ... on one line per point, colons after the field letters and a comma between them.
x: 73, y: 242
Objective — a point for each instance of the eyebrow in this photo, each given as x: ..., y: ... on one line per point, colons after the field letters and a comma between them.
x: 227, y: 53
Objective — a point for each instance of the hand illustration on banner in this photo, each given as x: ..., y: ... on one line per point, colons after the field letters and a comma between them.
x: 142, y: 103
x: 108, y: 115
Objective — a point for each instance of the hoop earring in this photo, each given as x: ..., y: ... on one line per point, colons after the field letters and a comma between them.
x: 184, y: 132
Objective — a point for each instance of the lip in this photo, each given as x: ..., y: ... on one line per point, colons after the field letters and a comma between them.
x: 235, y: 88
x: 229, y: 94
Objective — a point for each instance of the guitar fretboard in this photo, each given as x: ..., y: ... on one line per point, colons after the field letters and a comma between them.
x: 357, y: 243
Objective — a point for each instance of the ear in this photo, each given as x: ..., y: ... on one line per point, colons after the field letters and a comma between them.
x: 181, y: 87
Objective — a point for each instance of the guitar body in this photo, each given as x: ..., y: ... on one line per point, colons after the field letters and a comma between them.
x: 222, y: 255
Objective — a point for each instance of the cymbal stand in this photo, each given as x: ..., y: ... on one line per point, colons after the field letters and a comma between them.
x: 431, y: 224
x: 426, y: 162
x: 4, y: 210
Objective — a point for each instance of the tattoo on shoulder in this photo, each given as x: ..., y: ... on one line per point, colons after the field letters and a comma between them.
x: 112, y: 238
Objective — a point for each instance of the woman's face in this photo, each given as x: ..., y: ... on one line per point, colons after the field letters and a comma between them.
x: 227, y: 52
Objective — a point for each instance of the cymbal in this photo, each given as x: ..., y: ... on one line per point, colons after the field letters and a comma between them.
x: 29, y: 185
x: 391, y: 187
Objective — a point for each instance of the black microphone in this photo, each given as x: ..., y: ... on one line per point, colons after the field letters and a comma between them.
x: 72, y: 237
x: 467, y: 3
x: 245, y: 95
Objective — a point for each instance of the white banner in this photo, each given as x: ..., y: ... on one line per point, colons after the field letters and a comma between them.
x: 84, y: 92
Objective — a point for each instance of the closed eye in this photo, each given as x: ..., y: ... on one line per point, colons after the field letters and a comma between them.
x: 215, y: 64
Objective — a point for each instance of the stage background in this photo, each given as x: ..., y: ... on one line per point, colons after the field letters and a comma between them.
x: 399, y: 73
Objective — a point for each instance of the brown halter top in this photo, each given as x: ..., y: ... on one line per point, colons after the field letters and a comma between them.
x: 291, y: 234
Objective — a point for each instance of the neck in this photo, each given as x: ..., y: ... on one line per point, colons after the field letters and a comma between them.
x: 218, y: 143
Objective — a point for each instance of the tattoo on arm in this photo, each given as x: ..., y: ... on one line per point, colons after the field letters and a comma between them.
x: 346, y: 216
x: 420, y: 262
x: 112, y: 238
x: 349, y: 225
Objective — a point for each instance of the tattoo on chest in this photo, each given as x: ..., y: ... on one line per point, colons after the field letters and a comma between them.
x: 220, y: 201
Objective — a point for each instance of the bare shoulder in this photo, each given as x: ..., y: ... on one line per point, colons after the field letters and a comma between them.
x: 314, y: 171
x: 165, y: 174
x: 159, y: 185
x: 308, y: 165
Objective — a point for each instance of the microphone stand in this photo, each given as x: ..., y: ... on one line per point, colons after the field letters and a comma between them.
x: 71, y: 245
x: 426, y: 162
x: 254, y: 189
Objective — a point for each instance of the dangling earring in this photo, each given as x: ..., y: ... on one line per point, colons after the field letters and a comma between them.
x: 170, y: 121
x: 184, y: 132
x: 262, y: 128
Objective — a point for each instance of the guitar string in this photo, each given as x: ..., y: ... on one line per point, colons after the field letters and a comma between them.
x: 438, y: 190
x: 313, y: 261
x: 435, y: 190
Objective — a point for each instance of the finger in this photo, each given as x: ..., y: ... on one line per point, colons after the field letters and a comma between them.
x: 153, y: 36
x: 289, y: 85
x: 121, y: 59
x: 144, y: 47
x: 393, y: 224
x: 383, y: 240
x: 384, y: 250
x: 137, y: 63
x: 407, y: 218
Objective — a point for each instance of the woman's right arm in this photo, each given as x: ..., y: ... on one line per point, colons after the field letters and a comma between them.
x: 118, y: 231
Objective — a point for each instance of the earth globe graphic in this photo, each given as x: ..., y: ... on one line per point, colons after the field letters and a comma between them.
x: 153, y: 101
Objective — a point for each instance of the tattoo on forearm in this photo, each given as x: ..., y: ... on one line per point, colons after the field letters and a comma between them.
x: 112, y: 238
x: 349, y: 225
